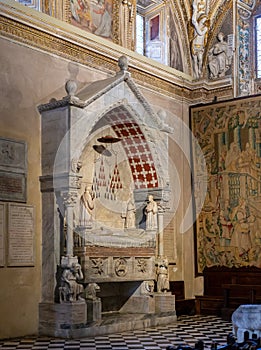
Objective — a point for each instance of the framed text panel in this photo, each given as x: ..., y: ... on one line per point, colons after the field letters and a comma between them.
x: 13, y: 170
x: 20, y: 235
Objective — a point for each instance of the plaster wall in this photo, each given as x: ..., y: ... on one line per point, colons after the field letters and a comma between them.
x: 29, y: 78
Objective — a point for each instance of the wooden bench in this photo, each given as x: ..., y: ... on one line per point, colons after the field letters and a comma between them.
x: 208, y: 305
x: 237, y: 294
x: 250, y: 293
x: 227, y: 288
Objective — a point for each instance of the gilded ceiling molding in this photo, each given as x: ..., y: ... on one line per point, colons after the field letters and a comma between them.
x: 206, y: 96
x: 178, y: 11
x: 57, y: 8
x: 34, y: 37
x: 186, y: 6
x: 248, y: 4
x: 186, y: 92
x: 166, y: 88
x: 100, y: 55
x: 216, y: 8
x: 124, y: 19
x: 115, y: 22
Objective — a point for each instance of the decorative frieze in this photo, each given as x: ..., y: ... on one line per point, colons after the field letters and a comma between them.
x: 117, y: 268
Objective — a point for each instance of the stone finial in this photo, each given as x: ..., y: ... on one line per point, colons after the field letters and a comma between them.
x: 123, y: 63
x: 71, y: 87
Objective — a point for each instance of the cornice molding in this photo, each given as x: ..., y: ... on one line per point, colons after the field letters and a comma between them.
x: 34, y: 29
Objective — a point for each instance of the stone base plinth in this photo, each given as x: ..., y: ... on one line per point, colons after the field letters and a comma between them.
x: 144, y: 304
x: 247, y: 318
x: 164, y: 302
x: 109, y: 324
x: 94, y: 308
x: 56, y: 317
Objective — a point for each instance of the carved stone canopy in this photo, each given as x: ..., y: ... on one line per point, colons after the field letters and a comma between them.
x: 117, y: 104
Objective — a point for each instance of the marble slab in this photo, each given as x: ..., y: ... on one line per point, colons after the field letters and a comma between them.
x: 20, y: 235
x: 13, y: 170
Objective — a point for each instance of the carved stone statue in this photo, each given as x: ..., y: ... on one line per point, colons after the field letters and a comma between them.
x: 70, y: 290
x: 86, y: 208
x: 218, y: 60
x: 200, y: 22
x: 151, y: 212
x: 91, y: 291
x: 148, y: 287
x: 130, y: 220
x: 162, y: 274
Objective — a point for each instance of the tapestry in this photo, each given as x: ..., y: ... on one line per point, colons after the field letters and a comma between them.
x: 228, y: 227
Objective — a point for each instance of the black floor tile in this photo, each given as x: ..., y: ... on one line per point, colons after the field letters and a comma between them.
x: 186, y: 331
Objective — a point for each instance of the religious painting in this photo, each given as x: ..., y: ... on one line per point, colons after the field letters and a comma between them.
x: 175, y: 58
x: 93, y: 16
x: 228, y: 227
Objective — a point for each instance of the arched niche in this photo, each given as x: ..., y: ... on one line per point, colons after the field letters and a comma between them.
x: 73, y: 156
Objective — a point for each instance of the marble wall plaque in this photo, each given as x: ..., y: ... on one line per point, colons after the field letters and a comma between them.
x: 2, y: 234
x: 13, y: 170
x: 20, y: 235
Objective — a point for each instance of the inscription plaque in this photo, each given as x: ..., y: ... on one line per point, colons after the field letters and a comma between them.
x: 13, y: 170
x: 2, y: 236
x: 20, y: 235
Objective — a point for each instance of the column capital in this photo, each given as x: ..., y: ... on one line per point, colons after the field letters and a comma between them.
x: 69, y: 197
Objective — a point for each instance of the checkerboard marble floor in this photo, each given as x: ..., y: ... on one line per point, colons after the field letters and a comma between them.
x: 186, y: 331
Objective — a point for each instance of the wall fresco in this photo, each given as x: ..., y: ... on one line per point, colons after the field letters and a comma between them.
x: 94, y: 16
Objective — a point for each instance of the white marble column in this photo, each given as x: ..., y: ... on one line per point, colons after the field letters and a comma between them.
x: 69, y: 199
x: 160, y: 231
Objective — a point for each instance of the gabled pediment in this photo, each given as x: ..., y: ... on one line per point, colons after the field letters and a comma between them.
x: 114, y: 106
